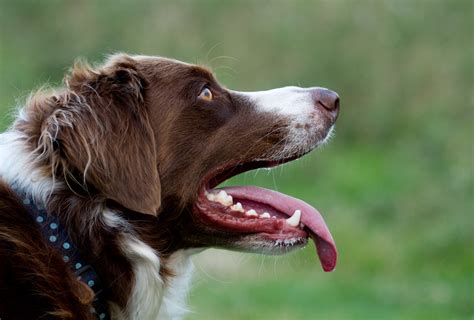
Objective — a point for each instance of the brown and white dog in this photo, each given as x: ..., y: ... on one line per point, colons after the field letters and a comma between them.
x: 125, y: 160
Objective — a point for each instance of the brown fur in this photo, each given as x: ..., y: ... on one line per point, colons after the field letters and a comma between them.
x: 129, y: 136
x: 34, y: 280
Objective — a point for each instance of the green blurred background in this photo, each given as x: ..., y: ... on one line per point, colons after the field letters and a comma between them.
x: 396, y: 183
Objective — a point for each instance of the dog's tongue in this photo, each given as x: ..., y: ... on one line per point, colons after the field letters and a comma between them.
x: 310, y: 217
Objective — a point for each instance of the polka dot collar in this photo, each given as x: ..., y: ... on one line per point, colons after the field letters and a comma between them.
x: 57, y: 237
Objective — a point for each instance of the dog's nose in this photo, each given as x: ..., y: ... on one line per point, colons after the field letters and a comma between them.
x: 327, y: 99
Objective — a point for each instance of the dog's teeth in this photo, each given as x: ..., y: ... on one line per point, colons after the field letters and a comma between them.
x: 228, y: 201
x: 294, y: 220
x: 223, y: 198
x: 237, y: 207
x: 210, y: 196
x: 265, y: 215
x: 251, y: 213
x: 222, y: 194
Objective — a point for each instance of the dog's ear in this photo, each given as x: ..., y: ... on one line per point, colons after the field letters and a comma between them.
x: 101, y: 130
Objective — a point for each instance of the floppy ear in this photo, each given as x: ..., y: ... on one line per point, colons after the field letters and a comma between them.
x: 101, y: 129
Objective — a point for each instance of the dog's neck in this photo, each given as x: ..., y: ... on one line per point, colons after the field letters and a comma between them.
x: 144, y: 282
x: 57, y: 237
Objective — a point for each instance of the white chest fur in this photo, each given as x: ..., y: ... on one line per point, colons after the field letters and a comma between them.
x: 151, y: 297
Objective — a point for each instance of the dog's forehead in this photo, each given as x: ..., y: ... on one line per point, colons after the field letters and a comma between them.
x: 196, y: 70
x: 158, y: 59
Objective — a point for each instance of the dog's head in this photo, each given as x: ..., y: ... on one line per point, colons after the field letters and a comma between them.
x: 156, y: 136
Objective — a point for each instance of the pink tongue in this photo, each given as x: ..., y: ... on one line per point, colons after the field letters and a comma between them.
x: 310, y: 217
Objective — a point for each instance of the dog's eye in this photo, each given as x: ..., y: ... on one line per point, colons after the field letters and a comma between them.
x: 206, y: 94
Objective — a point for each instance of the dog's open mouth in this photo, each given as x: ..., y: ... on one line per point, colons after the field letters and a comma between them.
x: 281, y: 221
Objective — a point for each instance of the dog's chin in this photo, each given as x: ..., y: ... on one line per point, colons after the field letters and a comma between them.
x: 261, y: 243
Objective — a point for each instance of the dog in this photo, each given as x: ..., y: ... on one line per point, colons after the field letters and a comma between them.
x: 109, y: 185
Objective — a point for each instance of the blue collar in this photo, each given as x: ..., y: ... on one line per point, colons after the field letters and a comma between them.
x: 58, y: 238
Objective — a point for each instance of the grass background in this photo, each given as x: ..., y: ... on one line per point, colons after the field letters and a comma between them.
x: 396, y: 183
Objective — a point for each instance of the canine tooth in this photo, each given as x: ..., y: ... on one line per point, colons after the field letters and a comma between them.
x: 252, y: 213
x: 265, y: 215
x: 294, y: 220
x: 237, y: 207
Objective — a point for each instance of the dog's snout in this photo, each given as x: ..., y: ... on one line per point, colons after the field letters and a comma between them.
x: 327, y: 99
